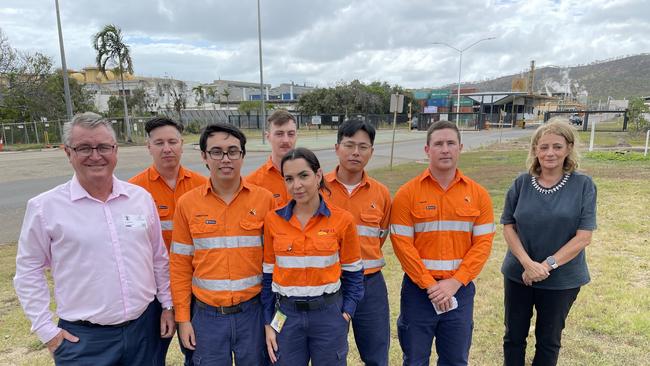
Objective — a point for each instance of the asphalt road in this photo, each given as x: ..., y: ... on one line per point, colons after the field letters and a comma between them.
x: 24, y: 175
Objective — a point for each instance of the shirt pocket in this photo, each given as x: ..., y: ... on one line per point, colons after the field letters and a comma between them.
x: 371, y: 217
x: 252, y: 225
x: 428, y: 212
x: 282, y: 245
x: 201, y: 227
x: 468, y: 212
x: 327, y: 244
x: 163, y: 210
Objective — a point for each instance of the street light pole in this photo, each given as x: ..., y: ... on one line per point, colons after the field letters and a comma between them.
x: 259, y: 41
x: 64, y: 69
x: 460, y: 67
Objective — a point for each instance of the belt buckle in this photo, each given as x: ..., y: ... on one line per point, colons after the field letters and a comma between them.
x: 230, y: 309
x: 302, y: 305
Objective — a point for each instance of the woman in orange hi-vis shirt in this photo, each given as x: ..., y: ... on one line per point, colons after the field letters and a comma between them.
x: 313, y: 274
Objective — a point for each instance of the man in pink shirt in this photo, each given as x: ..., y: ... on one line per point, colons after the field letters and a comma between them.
x: 102, y: 241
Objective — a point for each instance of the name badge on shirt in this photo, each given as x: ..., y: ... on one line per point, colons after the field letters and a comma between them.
x: 134, y: 221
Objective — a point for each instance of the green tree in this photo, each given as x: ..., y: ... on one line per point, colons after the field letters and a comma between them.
x: 112, y: 51
x: 249, y: 106
x: 635, y: 114
x: 199, y: 95
x: 178, y: 93
x: 138, y: 102
x: 226, y: 94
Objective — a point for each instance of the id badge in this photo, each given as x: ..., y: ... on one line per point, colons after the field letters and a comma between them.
x: 278, y: 321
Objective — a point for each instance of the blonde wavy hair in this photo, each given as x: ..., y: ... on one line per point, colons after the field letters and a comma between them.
x: 558, y: 126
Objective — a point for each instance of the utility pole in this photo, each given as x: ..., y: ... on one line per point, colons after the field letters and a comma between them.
x: 259, y: 41
x: 64, y: 69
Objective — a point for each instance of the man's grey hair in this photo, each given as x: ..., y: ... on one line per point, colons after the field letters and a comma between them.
x: 87, y: 120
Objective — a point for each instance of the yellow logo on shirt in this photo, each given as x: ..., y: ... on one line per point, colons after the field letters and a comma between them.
x: 323, y: 232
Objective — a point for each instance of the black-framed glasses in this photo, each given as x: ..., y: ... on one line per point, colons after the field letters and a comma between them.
x: 233, y: 154
x: 87, y: 150
x: 350, y: 146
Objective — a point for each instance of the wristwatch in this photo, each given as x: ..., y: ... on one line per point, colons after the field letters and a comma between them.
x: 170, y: 308
x: 551, y: 262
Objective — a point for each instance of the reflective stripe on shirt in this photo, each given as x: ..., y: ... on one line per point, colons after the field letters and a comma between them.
x: 352, y: 267
x: 227, y: 285
x: 307, y: 261
x: 267, y: 268
x: 441, y: 265
x: 423, y: 227
x: 167, y: 225
x: 402, y: 230
x: 483, y: 229
x: 223, y: 242
x: 373, y: 232
x: 306, y: 290
x: 373, y: 263
x: 182, y: 249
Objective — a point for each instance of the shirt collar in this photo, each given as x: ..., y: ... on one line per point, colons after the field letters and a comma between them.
x: 154, y: 174
x: 207, y: 187
x: 457, y: 177
x: 331, y: 177
x: 270, y: 166
x: 78, y: 192
x: 287, y: 211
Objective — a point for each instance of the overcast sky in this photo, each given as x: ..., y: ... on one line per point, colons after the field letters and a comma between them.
x: 322, y: 42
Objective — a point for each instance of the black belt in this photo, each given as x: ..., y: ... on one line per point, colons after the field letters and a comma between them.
x: 88, y: 324
x: 225, y: 310
x: 316, y: 303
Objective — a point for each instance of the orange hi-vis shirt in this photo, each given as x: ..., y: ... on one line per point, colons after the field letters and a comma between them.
x: 369, y: 204
x: 216, y: 251
x: 269, y: 177
x: 438, y: 234
x: 309, y: 261
x: 165, y: 197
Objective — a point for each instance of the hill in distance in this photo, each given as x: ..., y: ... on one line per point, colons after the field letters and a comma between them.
x: 619, y: 78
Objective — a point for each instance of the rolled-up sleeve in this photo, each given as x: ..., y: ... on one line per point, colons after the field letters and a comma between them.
x: 30, y: 283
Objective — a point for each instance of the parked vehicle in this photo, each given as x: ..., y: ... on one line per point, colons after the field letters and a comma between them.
x: 575, y: 120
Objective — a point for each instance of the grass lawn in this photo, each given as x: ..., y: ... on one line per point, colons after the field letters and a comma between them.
x: 609, y: 323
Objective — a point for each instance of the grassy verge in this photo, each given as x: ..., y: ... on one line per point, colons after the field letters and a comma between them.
x: 608, y: 325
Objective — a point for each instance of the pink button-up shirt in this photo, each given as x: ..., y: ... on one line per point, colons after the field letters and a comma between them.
x: 107, y: 259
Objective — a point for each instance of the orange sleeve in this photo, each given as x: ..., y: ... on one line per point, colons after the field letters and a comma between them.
x: 180, y: 262
x: 350, y: 251
x: 402, y: 237
x: 269, y: 253
x: 385, y: 222
x: 482, y: 237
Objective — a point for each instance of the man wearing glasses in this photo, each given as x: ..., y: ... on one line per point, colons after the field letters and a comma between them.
x: 167, y: 180
x: 101, y: 239
x: 369, y: 202
x: 216, y: 256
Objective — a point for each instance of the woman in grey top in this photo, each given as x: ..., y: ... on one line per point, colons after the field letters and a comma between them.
x: 548, y: 217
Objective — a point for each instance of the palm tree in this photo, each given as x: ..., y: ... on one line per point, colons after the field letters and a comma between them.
x: 111, y: 50
x: 226, y: 94
x: 199, y: 95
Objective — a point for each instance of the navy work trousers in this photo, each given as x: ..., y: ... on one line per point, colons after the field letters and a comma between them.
x: 371, y: 322
x: 137, y: 343
x: 318, y: 334
x: 219, y: 336
x: 418, y: 325
x: 552, y: 308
